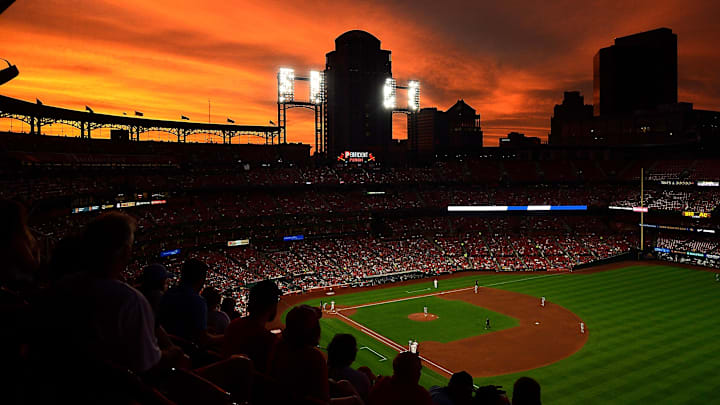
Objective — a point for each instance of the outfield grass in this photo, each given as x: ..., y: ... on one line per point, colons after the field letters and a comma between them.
x: 654, y: 335
x: 456, y: 320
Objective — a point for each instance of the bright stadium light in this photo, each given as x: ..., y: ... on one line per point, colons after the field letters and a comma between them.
x: 413, y: 95
x: 286, y: 85
x: 389, y: 93
x: 316, y: 85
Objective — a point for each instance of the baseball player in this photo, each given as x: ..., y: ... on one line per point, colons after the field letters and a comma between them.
x: 414, y: 347
x: 324, y: 304
x: 425, y: 310
x: 582, y: 327
x: 542, y: 302
x: 435, y: 283
x: 717, y: 276
x: 487, y: 323
x: 476, y: 286
x: 410, y: 344
x: 332, y: 306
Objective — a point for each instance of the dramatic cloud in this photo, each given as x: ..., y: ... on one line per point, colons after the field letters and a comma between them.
x: 511, y: 60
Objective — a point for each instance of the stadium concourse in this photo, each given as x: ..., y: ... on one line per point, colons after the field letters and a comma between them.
x: 248, y: 213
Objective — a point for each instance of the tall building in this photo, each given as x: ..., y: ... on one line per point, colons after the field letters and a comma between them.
x: 455, y: 130
x: 355, y: 73
x: 573, y: 109
x: 639, y: 72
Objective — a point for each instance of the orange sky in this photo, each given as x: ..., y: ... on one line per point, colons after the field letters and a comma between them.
x: 509, y: 60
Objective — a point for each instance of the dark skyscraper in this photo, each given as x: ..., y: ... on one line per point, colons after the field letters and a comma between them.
x: 355, y: 73
x: 638, y: 72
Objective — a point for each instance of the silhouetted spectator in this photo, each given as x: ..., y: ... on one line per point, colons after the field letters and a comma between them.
x: 102, y: 318
x: 154, y: 284
x: 248, y: 335
x: 341, y: 354
x: 490, y: 395
x: 402, y: 388
x: 217, y: 320
x: 458, y: 391
x: 18, y: 248
x: 526, y: 391
x: 228, y: 306
x: 183, y: 312
x: 300, y: 366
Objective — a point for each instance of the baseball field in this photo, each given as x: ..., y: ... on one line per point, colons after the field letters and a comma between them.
x: 652, y: 331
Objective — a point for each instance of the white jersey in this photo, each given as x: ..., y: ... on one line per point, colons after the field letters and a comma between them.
x: 435, y: 283
x: 476, y: 288
x: 425, y: 310
x: 582, y: 327
x: 542, y: 301
x: 332, y: 305
x: 414, y: 347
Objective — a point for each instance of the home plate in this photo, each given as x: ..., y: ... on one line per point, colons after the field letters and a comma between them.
x: 537, y: 323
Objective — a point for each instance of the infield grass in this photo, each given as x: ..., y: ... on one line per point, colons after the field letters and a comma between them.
x: 654, y: 334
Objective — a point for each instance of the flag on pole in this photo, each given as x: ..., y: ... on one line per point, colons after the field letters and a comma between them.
x: 138, y: 113
x: 230, y: 121
x: 88, y: 109
x: 37, y: 100
x: 272, y: 123
x: 182, y: 117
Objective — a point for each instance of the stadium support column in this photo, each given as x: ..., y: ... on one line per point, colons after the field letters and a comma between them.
x: 32, y: 125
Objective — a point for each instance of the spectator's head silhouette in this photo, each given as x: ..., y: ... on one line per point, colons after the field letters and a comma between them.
x: 193, y: 274
x: 263, y: 300
x: 228, y: 306
x: 108, y: 241
x: 460, y: 387
x: 302, y: 326
x: 155, y: 277
x: 526, y: 391
x: 212, y: 297
x: 342, y: 350
x: 407, y: 367
x: 17, y: 245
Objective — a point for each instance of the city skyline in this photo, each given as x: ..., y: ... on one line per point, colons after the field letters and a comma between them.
x: 505, y: 60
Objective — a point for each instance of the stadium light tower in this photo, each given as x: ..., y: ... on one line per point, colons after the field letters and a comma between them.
x: 315, y: 102
x: 413, y: 95
x: 389, y: 93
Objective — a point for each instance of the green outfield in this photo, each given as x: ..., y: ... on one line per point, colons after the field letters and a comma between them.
x: 456, y: 320
x: 654, y: 333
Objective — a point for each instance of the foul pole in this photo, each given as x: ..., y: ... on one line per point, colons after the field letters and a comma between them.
x: 642, y: 208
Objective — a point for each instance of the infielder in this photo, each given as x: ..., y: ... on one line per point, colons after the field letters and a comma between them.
x: 435, y: 283
x: 476, y: 286
x: 425, y: 310
x: 324, y: 304
x: 542, y: 302
x: 487, y: 323
x: 332, y: 306
x: 582, y: 327
x: 717, y: 276
x: 414, y: 347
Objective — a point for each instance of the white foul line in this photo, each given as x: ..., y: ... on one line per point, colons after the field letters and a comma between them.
x: 382, y: 358
x: 444, y: 292
x: 391, y: 344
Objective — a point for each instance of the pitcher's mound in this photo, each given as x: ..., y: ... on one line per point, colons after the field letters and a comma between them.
x: 420, y: 317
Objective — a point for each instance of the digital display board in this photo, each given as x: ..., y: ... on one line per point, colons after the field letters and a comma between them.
x: 696, y: 214
x: 239, y: 242
x: 294, y: 237
x: 356, y: 157
x: 170, y: 253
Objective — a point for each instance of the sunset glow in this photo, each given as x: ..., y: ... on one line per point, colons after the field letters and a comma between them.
x: 509, y: 60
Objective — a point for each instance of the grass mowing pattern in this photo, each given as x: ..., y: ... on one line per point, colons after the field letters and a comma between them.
x: 456, y: 320
x: 654, y: 334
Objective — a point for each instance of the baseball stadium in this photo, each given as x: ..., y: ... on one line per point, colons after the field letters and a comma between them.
x: 156, y: 261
